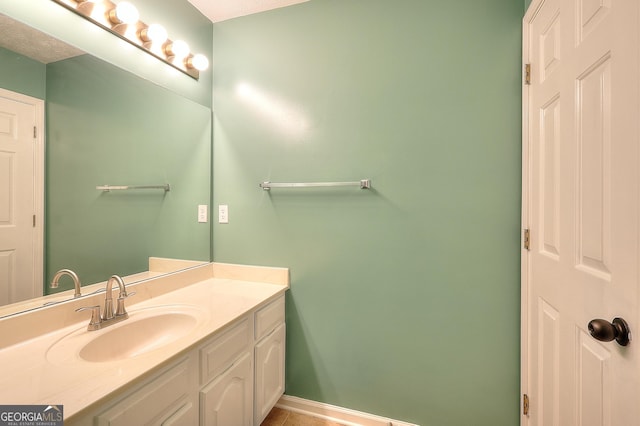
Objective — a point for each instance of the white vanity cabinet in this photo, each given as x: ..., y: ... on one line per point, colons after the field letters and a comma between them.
x: 227, y: 399
x: 235, y: 377
x: 269, y: 358
x: 226, y: 377
x: 166, y: 398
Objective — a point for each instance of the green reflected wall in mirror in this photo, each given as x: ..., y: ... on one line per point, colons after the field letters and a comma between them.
x: 105, y: 125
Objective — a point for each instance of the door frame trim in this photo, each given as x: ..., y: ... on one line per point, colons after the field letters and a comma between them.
x: 531, y: 13
x: 38, y: 186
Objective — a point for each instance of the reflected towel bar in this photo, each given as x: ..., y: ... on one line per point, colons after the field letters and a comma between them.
x: 108, y: 188
x: 363, y: 184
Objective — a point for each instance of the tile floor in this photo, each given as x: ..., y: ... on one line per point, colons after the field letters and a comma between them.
x: 280, y: 417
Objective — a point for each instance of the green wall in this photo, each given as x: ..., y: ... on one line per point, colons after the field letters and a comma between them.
x: 21, y: 74
x: 404, y: 298
x: 128, y: 132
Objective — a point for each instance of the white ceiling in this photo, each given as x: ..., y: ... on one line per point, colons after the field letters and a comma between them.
x: 32, y: 43
x: 220, y: 10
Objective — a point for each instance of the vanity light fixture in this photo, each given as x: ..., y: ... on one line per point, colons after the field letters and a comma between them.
x: 124, y: 13
x: 154, y: 33
x: 123, y: 20
x: 198, y: 61
x: 178, y: 49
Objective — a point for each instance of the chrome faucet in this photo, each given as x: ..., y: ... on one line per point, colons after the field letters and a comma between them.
x: 74, y: 277
x: 108, y: 315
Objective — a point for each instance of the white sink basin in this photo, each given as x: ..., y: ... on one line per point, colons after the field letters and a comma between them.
x: 145, y: 330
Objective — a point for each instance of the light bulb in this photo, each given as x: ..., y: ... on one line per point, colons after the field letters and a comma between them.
x: 154, y: 33
x: 157, y: 33
x: 178, y: 48
x: 124, y: 13
x: 199, y: 62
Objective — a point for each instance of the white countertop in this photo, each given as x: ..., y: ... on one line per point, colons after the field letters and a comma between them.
x: 31, y: 375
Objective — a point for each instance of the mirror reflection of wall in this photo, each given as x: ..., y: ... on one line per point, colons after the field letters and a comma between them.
x: 107, y: 126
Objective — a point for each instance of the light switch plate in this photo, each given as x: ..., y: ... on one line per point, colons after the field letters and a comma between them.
x: 223, y: 213
x: 202, y: 213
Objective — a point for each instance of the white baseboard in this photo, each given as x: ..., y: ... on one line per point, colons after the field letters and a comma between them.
x: 334, y: 413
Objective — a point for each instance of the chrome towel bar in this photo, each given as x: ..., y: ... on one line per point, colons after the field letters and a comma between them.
x: 108, y: 188
x: 363, y: 184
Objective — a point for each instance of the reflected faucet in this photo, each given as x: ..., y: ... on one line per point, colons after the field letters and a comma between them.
x: 74, y: 277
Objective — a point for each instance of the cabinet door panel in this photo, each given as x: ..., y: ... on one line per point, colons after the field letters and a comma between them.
x: 270, y: 353
x: 228, y: 399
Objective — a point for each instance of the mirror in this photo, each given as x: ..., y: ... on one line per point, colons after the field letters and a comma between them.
x: 106, y: 126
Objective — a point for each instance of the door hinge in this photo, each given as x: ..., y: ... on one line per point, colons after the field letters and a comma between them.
x: 35, y: 132
x: 527, y: 74
x: 527, y: 239
x: 34, y: 220
x: 525, y: 404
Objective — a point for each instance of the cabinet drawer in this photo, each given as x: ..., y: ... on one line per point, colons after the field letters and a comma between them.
x: 187, y: 415
x: 157, y: 401
x: 269, y: 317
x: 218, y: 355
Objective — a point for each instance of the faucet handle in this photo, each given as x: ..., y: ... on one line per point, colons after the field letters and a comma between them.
x: 95, y: 321
x: 120, y: 310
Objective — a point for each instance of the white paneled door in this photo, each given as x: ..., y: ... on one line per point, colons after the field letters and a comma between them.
x: 581, y: 204
x: 21, y: 189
